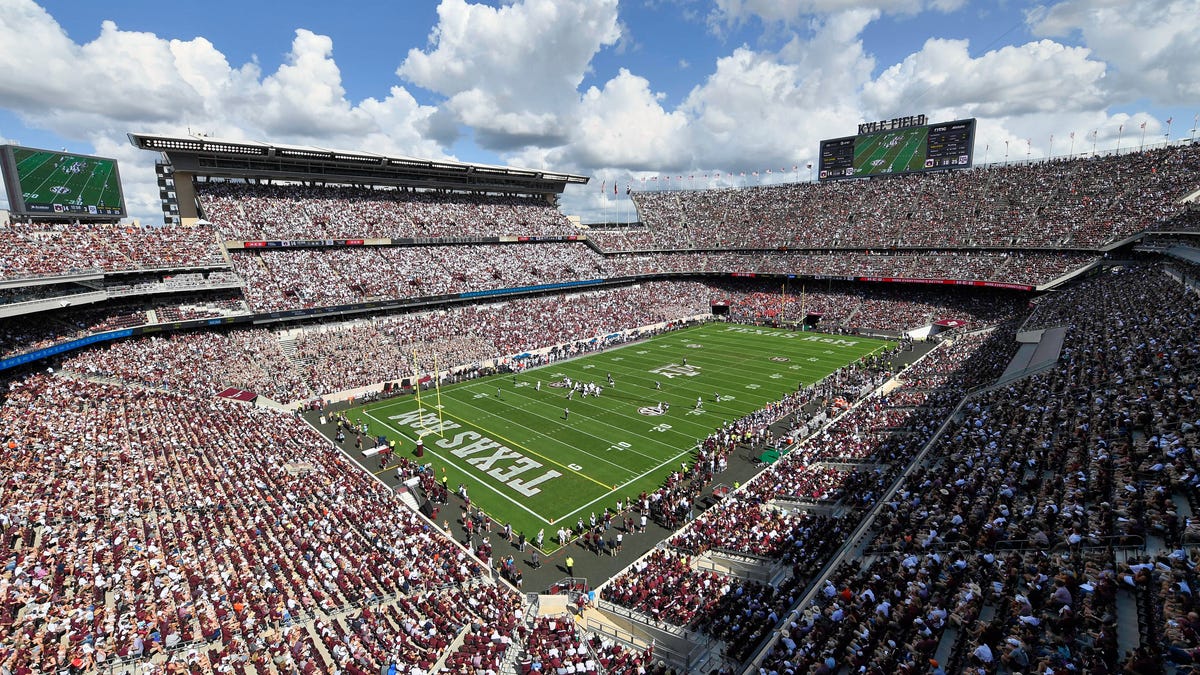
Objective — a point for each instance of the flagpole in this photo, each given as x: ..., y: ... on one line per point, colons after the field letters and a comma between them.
x: 1050, y: 151
x: 1120, y: 133
x: 1072, y: 153
x: 1142, y: 145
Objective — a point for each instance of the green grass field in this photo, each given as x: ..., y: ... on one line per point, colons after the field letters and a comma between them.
x: 891, y: 152
x: 57, y: 178
x: 526, y: 461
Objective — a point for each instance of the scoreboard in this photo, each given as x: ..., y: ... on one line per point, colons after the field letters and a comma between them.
x: 926, y: 147
x: 61, y: 185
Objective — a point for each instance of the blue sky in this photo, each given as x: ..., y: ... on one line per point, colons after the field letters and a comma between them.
x: 619, y: 90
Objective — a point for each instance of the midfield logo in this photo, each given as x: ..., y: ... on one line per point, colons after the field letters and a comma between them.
x: 672, y: 370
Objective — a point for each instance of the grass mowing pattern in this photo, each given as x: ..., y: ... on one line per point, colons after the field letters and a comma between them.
x: 896, y: 151
x: 525, y: 462
x: 56, y: 178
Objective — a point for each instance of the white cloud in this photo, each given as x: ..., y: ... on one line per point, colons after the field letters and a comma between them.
x: 625, y: 125
x: 796, y: 11
x: 512, y: 73
x: 1152, y: 45
x: 1042, y: 76
x: 133, y: 81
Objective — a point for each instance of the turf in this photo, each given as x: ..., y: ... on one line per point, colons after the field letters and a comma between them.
x: 891, y: 152
x: 526, y: 461
x: 56, y: 178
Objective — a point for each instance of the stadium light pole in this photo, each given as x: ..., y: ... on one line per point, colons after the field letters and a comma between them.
x: 1195, y: 119
x: 1071, y: 154
x: 1095, y: 135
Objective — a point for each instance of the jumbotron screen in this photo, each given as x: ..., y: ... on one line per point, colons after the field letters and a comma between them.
x: 928, y: 147
x: 49, y: 184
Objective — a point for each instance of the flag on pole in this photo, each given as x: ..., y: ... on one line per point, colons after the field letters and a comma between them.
x: 601, y: 187
x: 1072, y: 135
x: 614, y: 187
x: 1142, y: 125
x: 1170, y: 119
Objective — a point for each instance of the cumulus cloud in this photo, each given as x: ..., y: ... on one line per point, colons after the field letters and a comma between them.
x: 624, y: 124
x: 1151, y: 45
x: 134, y: 81
x: 512, y: 72
x: 507, y: 76
x: 798, y: 11
x: 1038, y: 76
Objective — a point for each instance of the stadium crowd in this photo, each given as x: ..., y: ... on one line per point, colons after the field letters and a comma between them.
x: 1053, y: 497
x: 116, y: 490
x: 247, y: 212
x: 1080, y: 203
x: 140, y: 523
x: 752, y: 521
x: 46, y: 329
x: 308, y: 278
x: 55, y: 249
x: 328, y: 359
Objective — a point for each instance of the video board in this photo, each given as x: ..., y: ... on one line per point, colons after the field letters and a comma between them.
x: 49, y: 184
x: 926, y: 147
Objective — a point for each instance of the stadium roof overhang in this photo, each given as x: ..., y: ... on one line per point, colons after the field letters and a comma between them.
x: 224, y: 158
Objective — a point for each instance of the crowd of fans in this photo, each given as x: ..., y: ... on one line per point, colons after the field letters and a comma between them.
x: 1031, y: 268
x: 200, y: 363
x: 1048, y: 500
x: 308, y: 278
x: 773, y: 516
x: 843, y: 306
x: 55, y: 249
x: 1081, y: 203
x: 281, y: 279
x: 139, y: 523
x: 324, y: 360
x: 142, y: 518
x: 475, y: 333
x: 45, y: 329
x: 245, y: 212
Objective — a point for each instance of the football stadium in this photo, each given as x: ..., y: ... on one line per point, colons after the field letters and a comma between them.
x: 357, y: 412
x: 322, y: 425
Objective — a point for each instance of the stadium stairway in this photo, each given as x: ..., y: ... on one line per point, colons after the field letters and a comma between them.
x: 408, y: 498
x: 1128, y: 629
x: 287, y: 344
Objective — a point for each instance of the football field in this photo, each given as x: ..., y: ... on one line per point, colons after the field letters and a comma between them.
x: 56, y: 178
x: 533, y: 458
x: 892, y: 152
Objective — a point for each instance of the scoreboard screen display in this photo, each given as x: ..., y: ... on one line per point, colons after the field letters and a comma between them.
x: 929, y: 147
x: 49, y: 184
